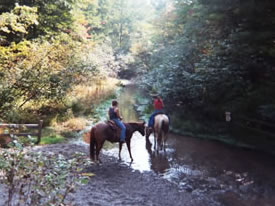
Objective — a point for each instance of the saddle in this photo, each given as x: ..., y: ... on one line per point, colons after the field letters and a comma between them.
x: 114, y: 127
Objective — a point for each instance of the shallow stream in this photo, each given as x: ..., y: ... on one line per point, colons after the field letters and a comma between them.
x: 231, y: 176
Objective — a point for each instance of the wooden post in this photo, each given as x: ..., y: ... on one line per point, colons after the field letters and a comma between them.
x: 228, y: 116
x: 39, y: 131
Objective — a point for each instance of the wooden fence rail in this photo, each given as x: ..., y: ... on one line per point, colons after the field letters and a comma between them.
x: 38, y: 127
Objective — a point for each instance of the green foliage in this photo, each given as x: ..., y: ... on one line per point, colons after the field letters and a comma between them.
x: 101, y: 110
x: 53, y: 15
x: 35, y: 178
x: 77, y: 107
x: 36, y: 75
x: 211, y: 54
x: 120, y: 22
x: 15, y: 25
x: 48, y: 47
x: 100, y: 61
x: 53, y: 139
x: 40, y: 62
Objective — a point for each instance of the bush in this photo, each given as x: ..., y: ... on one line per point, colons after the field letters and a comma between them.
x: 35, y: 178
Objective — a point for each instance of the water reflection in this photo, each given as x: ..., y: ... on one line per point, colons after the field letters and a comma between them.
x: 158, y: 161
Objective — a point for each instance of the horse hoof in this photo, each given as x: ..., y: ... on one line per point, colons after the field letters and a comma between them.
x: 98, y: 162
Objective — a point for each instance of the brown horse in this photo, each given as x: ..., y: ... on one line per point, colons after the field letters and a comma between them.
x: 160, y: 130
x: 103, y: 131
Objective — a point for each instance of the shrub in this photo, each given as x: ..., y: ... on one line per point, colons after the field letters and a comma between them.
x: 35, y: 178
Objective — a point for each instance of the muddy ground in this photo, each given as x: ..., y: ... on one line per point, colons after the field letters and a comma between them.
x: 115, y: 183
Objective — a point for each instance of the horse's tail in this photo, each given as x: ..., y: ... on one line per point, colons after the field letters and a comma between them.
x: 164, y: 128
x: 92, y: 144
x: 165, y: 125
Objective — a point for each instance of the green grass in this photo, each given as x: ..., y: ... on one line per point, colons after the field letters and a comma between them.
x: 50, y: 136
x: 53, y: 139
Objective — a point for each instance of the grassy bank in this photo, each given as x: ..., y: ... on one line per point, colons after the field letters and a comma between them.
x: 84, y: 104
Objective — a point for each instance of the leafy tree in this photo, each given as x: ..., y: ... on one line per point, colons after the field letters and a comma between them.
x: 53, y: 16
x: 213, y: 54
x: 16, y: 25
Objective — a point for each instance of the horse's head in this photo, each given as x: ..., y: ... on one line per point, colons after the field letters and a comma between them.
x: 148, y: 131
x: 141, y: 128
x: 138, y: 126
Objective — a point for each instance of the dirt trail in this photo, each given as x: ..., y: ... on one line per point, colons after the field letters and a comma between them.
x: 117, y: 184
x: 213, y: 175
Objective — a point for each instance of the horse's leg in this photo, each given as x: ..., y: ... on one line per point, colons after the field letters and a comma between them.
x: 148, y: 146
x: 147, y: 136
x: 92, y: 147
x: 165, y: 130
x: 165, y: 139
x: 162, y: 140
x: 147, y: 140
x: 120, y: 147
x: 129, y: 149
x: 155, y: 140
x: 98, y: 148
x: 159, y: 142
x: 92, y: 144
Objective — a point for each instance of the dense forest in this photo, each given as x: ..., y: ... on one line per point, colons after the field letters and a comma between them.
x: 216, y: 56
x: 204, y: 57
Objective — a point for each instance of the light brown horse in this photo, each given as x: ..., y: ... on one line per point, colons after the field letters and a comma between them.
x: 103, y: 131
x: 160, y: 130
